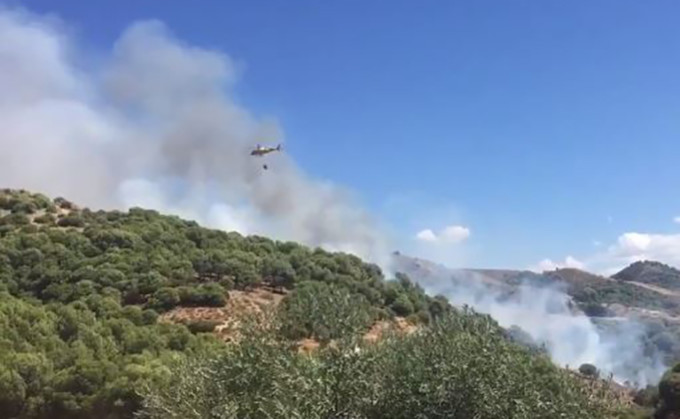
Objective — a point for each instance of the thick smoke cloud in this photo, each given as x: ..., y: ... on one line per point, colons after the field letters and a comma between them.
x: 154, y: 123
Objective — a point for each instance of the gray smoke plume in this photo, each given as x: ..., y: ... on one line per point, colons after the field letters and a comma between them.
x: 154, y: 123
x: 548, y: 315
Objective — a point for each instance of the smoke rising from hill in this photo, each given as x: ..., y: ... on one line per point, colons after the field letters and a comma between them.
x: 547, y: 314
x: 155, y: 124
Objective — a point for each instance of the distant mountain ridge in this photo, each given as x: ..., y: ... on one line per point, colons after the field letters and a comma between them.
x: 643, y: 289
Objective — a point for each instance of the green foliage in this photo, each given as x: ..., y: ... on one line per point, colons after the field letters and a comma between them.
x: 164, y: 298
x: 15, y: 219
x: 71, y: 220
x: 594, y: 292
x: 45, y: 219
x: 460, y: 367
x: 589, y: 370
x: 67, y: 361
x: 20, y: 201
x: 202, y: 326
x: 80, y: 298
x: 101, y: 278
x: 402, y: 305
x: 204, y: 295
x: 669, y: 394
x: 324, y: 312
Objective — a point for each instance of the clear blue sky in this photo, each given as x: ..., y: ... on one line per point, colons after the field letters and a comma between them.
x: 530, y: 122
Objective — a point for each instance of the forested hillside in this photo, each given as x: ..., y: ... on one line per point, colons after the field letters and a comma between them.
x: 81, y: 293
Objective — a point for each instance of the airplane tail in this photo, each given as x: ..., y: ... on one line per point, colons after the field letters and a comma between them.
x: 278, y: 147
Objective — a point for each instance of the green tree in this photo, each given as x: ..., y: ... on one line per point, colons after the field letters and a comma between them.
x: 402, y: 306
x: 324, y: 312
x: 164, y: 299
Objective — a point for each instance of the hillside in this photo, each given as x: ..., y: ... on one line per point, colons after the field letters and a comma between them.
x: 110, y: 314
x: 651, y: 273
x: 592, y: 291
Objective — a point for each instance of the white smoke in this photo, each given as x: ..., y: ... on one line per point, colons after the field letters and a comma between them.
x: 549, y: 316
x: 154, y: 123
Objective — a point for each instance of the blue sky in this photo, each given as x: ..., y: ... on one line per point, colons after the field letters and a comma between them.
x: 542, y: 127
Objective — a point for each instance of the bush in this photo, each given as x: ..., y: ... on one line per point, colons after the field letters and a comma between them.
x: 112, y: 238
x: 402, y: 306
x: 595, y: 310
x: 202, y: 326
x: 324, y: 312
x: 588, y: 370
x: 164, y: 299
x: 278, y: 272
x: 71, y: 220
x: 149, y: 317
x: 205, y: 295
x: 15, y: 219
x: 44, y: 219
x: 438, y: 373
x: 24, y: 207
x: 63, y: 203
x: 211, y: 295
x: 669, y: 393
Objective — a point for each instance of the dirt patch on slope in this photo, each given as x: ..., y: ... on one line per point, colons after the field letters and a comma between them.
x: 656, y: 288
x: 240, y: 305
x: 399, y: 325
x: 244, y: 304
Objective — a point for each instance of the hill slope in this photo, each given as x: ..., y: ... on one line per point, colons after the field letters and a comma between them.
x: 94, y: 323
x: 651, y: 273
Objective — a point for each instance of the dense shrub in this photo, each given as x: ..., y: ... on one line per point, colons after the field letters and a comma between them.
x: 402, y: 306
x: 595, y: 310
x: 669, y: 394
x: 438, y: 373
x: 588, y: 370
x: 71, y: 220
x: 202, y: 326
x: 45, y: 219
x: 324, y: 312
x: 164, y: 298
x: 67, y: 361
x: 15, y: 219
